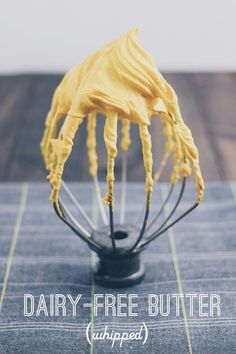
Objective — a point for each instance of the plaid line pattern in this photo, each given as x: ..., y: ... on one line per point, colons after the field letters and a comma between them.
x: 196, y: 256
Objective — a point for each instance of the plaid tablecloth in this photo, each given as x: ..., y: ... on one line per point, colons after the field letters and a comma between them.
x: 40, y: 255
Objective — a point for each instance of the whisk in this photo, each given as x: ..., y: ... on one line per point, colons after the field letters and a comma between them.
x: 121, y: 82
x: 118, y: 245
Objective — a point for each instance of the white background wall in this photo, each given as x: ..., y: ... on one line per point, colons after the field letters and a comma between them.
x: 53, y: 35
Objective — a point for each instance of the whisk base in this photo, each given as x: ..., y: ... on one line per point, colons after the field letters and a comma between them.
x: 119, y: 272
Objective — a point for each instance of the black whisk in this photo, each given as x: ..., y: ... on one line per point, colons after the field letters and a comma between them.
x: 118, y: 246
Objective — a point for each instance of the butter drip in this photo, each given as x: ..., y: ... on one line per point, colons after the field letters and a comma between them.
x: 110, y: 138
x: 120, y: 81
x: 125, y: 132
x: 91, y: 144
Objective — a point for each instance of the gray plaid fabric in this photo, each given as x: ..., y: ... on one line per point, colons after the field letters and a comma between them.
x: 48, y: 259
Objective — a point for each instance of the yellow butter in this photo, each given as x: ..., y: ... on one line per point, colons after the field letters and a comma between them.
x: 119, y: 81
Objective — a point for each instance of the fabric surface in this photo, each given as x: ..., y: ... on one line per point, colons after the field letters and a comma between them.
x: 40, y: 255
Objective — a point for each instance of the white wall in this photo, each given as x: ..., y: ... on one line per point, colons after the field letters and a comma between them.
x: 53, y: 35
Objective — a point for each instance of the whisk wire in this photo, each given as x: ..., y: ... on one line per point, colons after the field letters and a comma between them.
x: 174, y: 208
x: 159, y: 173
x: 99, y: 200
x: 142, y: 232
x: 65, y: 217
x: 70, y: 217
x: 112, y: 235
x: 157, y: 234
x: 162, y: 208
x: 77, y: 205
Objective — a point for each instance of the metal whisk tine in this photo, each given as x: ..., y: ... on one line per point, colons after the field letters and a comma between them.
x: 99, y: 200
x: 65, y: 216
x: 70, y: 217
x: 157, y: 234
x: 174, y: 208
x: 140, y: 213
x: 77, y: 205
x: 112, y: 235
x: 162, y: 208
x: 159, y: 172
x: 142, y: 232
